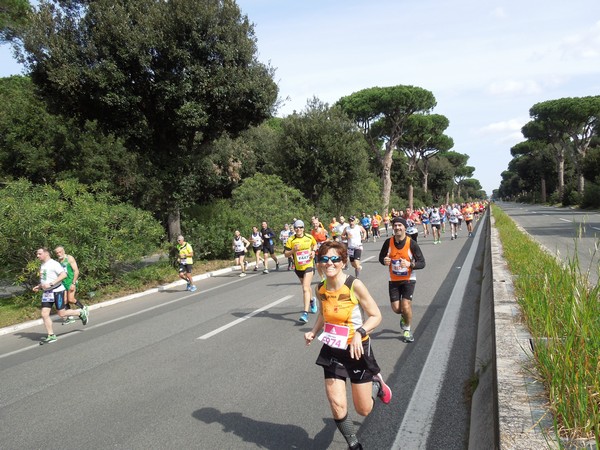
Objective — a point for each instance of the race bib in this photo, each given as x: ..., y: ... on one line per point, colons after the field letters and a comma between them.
x: 48, y: 296
x: 350, y: 252
x: 303, y: 257
x: 397, y: 268
x: 335, y: 336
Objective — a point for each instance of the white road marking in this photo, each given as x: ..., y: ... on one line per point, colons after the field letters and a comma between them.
x: 241, y: 319
x: 415, y: 426
x: 161, y: 305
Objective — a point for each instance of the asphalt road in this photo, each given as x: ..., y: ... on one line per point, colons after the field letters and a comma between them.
x: 566, y: 233
x: 226, y: 367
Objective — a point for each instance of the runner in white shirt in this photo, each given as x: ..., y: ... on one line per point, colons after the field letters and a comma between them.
x: 454, y: 214
x: 355, y: 234
x: 51, y: 275
x: 436, y: 223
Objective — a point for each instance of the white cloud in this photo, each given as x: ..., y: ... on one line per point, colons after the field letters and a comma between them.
x: 499, y: 13
x: 515, y: 87
x: 585, y: 45
x: 505, y: 132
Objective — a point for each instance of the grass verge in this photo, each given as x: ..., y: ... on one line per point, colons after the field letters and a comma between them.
x: 562, y: 313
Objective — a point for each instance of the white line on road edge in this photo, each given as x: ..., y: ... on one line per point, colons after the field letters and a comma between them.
x: 241, y: 319
x: 565, y: 220
x: 117, y: 319
x: 415, y: 426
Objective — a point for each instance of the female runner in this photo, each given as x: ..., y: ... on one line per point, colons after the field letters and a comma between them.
x: 346, y: 351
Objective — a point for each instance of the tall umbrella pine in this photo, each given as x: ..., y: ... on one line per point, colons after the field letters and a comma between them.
x: 381, y: 113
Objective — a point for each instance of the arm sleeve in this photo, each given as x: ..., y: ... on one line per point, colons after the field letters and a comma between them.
x: 384, y: 250
x: 418, y: 255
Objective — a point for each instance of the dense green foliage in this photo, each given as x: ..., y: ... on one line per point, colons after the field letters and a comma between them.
x: 553, y: 162
x: 98, y: 230
x: 13, y: 16
x: 169, y: 78
x: 45, y: 148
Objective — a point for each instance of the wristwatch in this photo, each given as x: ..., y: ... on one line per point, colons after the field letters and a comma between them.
x: 362, y: 331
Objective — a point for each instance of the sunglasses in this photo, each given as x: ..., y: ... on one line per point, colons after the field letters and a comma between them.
x: 333, y: 259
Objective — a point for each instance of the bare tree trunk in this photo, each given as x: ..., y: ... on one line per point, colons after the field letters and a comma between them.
x: 581, y: 184
x: 447, y: 198
x: 174, y: 225
x: 386, y: 176
x: 411, y: 191
x: 560, y: 166
x: 543, y: 190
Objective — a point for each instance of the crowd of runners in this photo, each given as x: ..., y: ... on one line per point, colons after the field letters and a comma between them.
x: 346, y: 313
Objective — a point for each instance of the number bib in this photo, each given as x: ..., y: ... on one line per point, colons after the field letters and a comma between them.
x: 350, y: 252
x: 48, y: 296
x: 397, y: 269
x: 303, y: 257
x: 336, y: 336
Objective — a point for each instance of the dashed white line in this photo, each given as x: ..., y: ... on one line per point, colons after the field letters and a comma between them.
x: 241, y: 319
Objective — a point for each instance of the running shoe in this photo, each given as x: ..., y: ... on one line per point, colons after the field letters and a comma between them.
x: 303, y: 317
x: 408, y: 337
x: 266, y: 271
x: 402, y: 324
x: 255, y: 269
x: 48, y: 339
x: 313, y: 305
x: 276, y: 267
x: 193, y: 288
x: 188, y: 287
x: 69, y: 320
x: 385, y: 393
x: 84, y: 315
x: 242, y: 274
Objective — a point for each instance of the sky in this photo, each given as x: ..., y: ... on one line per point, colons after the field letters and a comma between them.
x: 486, y: 62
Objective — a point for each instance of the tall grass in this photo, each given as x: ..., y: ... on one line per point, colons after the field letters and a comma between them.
x: 562, y: 313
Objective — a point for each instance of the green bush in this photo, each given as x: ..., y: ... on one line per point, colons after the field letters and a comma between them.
x: 209, y: 228
x: 591, y: 195
x: 97, y: 230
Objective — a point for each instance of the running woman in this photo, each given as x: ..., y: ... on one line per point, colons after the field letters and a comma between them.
x: 355, y: 234
x: 346, y: 351
x: 257, y: 241
x: 240, y: 248
x: 302, y: 248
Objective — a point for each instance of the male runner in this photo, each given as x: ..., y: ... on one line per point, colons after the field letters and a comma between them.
x: 51, y: 276
x: 186, y: 262
x: 70, y: 282
x: 403, y: 256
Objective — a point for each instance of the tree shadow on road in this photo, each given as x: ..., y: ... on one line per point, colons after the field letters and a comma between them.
x: 268, y: 435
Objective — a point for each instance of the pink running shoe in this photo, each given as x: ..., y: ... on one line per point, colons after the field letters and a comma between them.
x: 385, y: 393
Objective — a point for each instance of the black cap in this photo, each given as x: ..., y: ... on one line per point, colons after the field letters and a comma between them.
x: 401, y: 220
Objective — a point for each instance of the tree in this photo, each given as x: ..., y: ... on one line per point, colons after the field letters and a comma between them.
x: 567, y: 124
x: 532, y: 165
x: 321, y: 152
x: 381, y: 113
x: 423, y: 138
x: 461, y: 170
x: 167, y: 77
x: 45, y: 148
x: 13, y: 16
